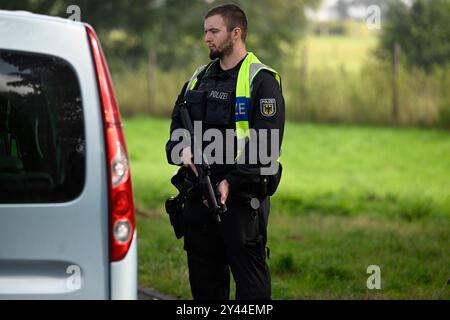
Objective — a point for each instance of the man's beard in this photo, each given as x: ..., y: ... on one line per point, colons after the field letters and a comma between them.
x: 222, y: 50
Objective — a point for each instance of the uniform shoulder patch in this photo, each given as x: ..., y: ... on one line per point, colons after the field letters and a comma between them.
x: 268, y: 107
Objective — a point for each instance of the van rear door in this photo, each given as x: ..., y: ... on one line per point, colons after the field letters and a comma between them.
x: 53, y: 180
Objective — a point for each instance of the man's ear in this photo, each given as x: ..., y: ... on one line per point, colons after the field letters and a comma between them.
x: 236, y: 33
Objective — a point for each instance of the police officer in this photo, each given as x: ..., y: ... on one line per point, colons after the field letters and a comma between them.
x: 235, y: 91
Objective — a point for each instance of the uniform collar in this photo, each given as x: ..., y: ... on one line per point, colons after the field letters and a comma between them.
x: 216, y: 71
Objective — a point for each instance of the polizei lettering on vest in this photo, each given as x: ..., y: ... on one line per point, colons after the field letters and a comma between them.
x: 218, y: 95
x: 240, y: 109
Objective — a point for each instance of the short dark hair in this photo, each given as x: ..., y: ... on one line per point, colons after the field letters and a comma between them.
x: 232, y: 15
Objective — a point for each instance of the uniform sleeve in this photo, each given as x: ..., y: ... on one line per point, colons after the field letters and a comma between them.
x: 175, y: 124
x: 267, y: 118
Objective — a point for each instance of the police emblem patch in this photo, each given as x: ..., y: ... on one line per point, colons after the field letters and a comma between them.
x: 268, y: 107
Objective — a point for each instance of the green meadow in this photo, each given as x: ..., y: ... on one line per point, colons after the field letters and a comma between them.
x: 350, y: 197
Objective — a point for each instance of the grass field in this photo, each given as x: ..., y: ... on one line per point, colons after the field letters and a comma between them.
x: 335, y: 52
x: 350, y: 197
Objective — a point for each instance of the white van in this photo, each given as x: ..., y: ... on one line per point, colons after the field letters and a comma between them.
x: 67, y: 225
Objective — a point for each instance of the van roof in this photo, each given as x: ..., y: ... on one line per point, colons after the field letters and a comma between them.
x: 27, y: 15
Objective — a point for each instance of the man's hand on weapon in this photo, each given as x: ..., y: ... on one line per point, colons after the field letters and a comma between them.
x: 186, y: 157
x: 224, y: 189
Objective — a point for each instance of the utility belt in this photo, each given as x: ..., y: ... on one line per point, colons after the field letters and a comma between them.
x: 184, y: 181
x: 262, y: 186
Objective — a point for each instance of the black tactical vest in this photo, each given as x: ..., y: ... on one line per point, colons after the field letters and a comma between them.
x: 213, y: 103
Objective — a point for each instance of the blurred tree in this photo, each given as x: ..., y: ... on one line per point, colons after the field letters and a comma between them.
x: 118, y: 23
x: 422, y: 31
x: 342, y: 8
x: 274, y: 23
x: 172, y: 30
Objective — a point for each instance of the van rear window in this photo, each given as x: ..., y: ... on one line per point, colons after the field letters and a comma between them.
x: 42, y: 142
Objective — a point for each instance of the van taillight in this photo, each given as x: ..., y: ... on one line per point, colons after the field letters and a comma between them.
x: 121, y: 206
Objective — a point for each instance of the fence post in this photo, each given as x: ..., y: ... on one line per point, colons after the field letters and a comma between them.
x: 395, y: 97
x: 152, y: 83
x: 303, y: 78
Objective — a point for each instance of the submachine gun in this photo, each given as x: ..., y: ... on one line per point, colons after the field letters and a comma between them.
x: 185, y: 180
